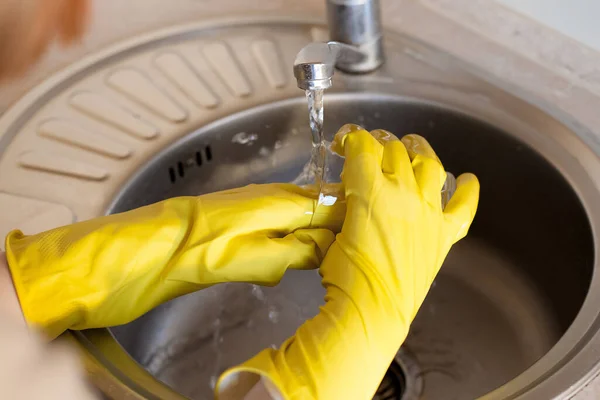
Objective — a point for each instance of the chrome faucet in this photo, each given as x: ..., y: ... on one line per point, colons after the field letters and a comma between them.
x: 356, y: 46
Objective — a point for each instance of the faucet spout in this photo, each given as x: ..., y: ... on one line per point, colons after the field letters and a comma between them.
x: 315, y: 63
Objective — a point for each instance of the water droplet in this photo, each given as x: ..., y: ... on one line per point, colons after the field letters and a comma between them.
x: 244, y: 138
x: 213, y: 382
x: 258, y: 293
x: 278, y: 145
x: 294, y: 131
x: 273, y: 315
x: 273, y: 346
x: 264, y: 152
x: 326, y: 200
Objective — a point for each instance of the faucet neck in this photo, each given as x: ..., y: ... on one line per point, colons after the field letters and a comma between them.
x: 357, y: 23
x: 356, y: 47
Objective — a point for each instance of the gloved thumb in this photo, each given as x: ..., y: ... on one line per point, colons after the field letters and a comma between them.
x: 307, y: 247
x: 265, y: 258
x: 460, y: 210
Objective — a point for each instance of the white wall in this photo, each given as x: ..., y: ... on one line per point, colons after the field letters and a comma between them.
x: 579, y: 19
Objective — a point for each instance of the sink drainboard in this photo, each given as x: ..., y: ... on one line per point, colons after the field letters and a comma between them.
x: 204, y: 107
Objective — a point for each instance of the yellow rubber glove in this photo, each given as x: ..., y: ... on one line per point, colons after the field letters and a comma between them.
x: 393, y: 242
x: 109, y: 271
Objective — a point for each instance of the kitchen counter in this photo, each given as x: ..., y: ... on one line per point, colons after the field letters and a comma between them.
x: 518, y: 54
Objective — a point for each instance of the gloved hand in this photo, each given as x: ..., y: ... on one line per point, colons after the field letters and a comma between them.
x: 27, y: 27
x: 109, y: 271
x: 377, y: 273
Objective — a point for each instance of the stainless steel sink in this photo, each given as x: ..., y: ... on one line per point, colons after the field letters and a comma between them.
x: 513, y: 314
x: 503, y: 299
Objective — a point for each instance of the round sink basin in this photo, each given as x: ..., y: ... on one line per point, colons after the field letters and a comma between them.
x: 505, y: 296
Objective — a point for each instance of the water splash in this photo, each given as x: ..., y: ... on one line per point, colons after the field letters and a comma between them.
x: 273, y: 314
x: 244, y: 138
x: 258, y: 293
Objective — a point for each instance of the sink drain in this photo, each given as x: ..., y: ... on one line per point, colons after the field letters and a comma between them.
x: 402, y: 380
x: 393, y: 385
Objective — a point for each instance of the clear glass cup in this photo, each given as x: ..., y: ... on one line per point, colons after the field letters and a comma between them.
x: 332, y: 168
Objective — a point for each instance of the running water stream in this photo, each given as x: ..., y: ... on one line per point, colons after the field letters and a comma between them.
x: 319, y: 147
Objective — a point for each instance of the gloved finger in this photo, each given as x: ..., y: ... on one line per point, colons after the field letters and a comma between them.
x: 259, y: 258
x: 395, y: 156
x: 428, y: 170
x: 330, y: 217
x: 337, y: 143
x: 303, y: 249
x: 461, y: 208
x: 418, y: 145
x: 326, y: 212
x: 334, y: 189
x: 363, y: 158
x: 396, y: 163
x: 280, y: 208
x: 310, y: 246
x: 383, y: 136
x: 330, y: 209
